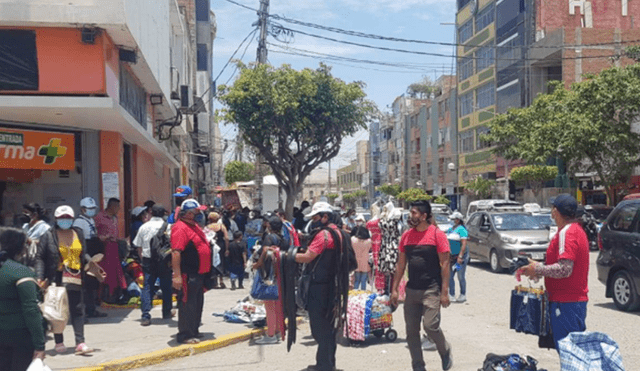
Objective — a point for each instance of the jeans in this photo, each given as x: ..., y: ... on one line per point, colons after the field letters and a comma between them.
x: 461, y: 277
x: 190, y: 313
x: 361, y: 280
x: 423, y: 305
x: 76, y: 312
x: 566, y: 318
x: 148, y: 291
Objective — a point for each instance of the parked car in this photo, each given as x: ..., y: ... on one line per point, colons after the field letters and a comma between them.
x: 498, y: 237
x: 618, y: 262
x: 488, y: 205
x: 547, y: 221
x: 443, y: 221
x: 441, y: 209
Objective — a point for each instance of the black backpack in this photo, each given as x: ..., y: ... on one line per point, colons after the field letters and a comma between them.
x: 160, y: 246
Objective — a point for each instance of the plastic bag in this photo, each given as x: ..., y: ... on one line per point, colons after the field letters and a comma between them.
x: 38, y: 365
x: 55, y: 308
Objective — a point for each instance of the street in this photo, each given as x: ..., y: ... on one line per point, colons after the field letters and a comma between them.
x: 475, y: 328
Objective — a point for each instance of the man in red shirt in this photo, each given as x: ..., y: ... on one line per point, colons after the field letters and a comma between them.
x: 566, y: 271
x: 425, y: 249
x: 320, y: 258
x: 191, y: 261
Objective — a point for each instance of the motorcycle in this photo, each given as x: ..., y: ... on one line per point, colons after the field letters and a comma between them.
x: 590, y: 225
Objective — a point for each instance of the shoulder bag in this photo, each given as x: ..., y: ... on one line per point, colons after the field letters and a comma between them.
x: 55, y: 308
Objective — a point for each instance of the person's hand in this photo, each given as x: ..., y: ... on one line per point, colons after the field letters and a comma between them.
x: 444, y: 299
x: 39, y: 354
x: 226, y: 253
x: 460, y: 260
x: 530, y: 269
x: 394, y: 298
x: 43, y: 284
x: 177, y: 282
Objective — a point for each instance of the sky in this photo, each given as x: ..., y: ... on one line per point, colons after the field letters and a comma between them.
x: 406, y: 19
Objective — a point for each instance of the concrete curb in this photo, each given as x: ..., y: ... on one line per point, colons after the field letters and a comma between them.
x: 186, y: 350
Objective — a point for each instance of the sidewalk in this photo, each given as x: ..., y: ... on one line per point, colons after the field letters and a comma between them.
x: 120, y: 335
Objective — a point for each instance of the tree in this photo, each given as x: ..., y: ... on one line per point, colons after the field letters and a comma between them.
x: 236, y: 171
x: 422, y: 89
x: 480, y: 187
x: 332, y: 197
x: 534, y: 176
x: 413, y: 194
x: 441, y: 200
x: 296, y: 120
x: 588, y: 127
x: 390, y: 189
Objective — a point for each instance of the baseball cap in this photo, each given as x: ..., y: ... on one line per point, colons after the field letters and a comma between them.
x: 456, y: 215
x: 88, y: 203
x: 64, y: 210
x: 138, y: 210
x: 183, y: 191
x: 191, y: 204
x: 319, y: 207
x: 565, y: 204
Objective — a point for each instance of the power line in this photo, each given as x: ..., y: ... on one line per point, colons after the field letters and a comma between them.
x: 241, y: 57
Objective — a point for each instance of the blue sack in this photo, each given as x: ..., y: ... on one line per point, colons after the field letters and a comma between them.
x: 263, y: 291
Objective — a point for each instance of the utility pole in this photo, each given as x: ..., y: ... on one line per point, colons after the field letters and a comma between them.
x: 263, y: 16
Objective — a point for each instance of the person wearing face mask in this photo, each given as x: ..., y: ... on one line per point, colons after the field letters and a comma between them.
x: 139, y: 216
x: 85, y: 221
x: 107, y: 227
x: 35, y: 227
x: 191, y: 261
x: 565, y: 271
x: 71, y: 274
x: 349, y: 222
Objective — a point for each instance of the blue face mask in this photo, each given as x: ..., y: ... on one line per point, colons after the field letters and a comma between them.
x: 64, y: 223
x: 91, y: 213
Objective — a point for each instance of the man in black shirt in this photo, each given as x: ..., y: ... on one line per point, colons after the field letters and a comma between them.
x: 237, y: 253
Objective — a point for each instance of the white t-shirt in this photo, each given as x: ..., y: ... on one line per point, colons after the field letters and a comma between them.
x: 146, y: 232
x: 88, y: 226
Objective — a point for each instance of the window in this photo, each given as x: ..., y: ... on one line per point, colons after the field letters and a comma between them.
x: 485, y: 17
x: 429, y: 168
x: 441, y: 136
x: 508, y: 95
x: 466, y: 141
x: 446, y: 105
x: 465, y: 68
x: 19, y: 60
x: 480, y: 144
x: 623, y: 220
x: 418, y: 145
x: 429, y: 139
x: 203, y: 57
x: 484, y: 57
x: 441, y: 109
x: 486, y: 95
x: 466, y: 104
x: 418, y: 170
x: 475, y: 220
x: 465, y: 31
x: 202, y: 10
x: 509, y: 51
x: 447, y: 134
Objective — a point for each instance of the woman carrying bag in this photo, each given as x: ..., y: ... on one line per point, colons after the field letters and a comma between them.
x: 71, y: 273
x: 21, y: 330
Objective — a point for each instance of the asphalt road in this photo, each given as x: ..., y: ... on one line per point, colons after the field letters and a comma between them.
x: 475, y: 328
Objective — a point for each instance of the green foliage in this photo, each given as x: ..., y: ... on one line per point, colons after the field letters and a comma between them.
x: 422, y: 89
x: 633, y: 52
x: 349, y: 197
x: 441, y: 200
x: 390, y: 189
x: 360, y: 193
x: 332, y: 197
x: 236, y: 171
x: 533, y: 173
x: 588, y: 127
x: 413, y: 194
x: 296, y: 120
x: 480, y: 187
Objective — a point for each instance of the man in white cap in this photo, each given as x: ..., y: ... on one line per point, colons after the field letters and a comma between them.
x: 320, y: 258
x: 88, y: 210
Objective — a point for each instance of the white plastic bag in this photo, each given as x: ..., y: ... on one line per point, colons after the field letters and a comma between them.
x: 55, y: 308
x: 38, y: 365
x: 216, y: 255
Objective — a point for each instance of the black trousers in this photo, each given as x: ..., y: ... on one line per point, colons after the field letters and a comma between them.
x: 320, y: 308
x: 190, y: 312
x: 90, y: 287
x: 76, y: 310
x: 15, y: 357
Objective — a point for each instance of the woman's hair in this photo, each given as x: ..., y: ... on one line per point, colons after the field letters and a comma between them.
x: 461, y: 222
x: 361, y: 232
x: 214, y: 217
x: 35, y: 208
x: 12, y: 242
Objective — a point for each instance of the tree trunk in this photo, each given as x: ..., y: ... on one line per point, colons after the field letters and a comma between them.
x: 291, y: 191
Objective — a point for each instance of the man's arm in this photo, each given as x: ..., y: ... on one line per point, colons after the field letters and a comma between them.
x: 176, y: 258
x: 445, y: 272
x: 306, y: 257
x: 400, y: 267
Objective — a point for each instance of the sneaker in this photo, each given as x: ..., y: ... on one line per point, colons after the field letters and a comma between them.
x: 60, y: 348
x: 145, y: 322
x: 452, y: 299
x: 428, y: 345
x: 83, y: 349
x: 462, y: 298
x: 265, y: 340
x: 447, y: 361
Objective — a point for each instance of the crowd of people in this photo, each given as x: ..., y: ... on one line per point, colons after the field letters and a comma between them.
x: 193, y: 248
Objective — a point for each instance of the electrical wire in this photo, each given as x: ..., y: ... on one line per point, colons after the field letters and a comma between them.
x: 241, y: 58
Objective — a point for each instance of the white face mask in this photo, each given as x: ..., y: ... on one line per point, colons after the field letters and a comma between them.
x: 91, y: 212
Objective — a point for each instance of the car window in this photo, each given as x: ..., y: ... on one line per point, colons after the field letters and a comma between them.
x: 474, y: 220
x: 516, y: 222
x: 442, y: 219
x: 623, y: 219
x: 544, y: 219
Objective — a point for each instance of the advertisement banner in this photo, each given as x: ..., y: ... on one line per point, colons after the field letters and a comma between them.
x: 27, y: 149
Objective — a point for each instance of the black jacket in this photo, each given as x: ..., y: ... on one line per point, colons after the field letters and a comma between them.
x: 48, y: 256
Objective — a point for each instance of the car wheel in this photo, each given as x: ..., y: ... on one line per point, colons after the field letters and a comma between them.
x: 625, y: 295
x: 494, y: 262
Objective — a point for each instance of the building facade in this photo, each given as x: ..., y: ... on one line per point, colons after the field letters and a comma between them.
x: 96, y: 102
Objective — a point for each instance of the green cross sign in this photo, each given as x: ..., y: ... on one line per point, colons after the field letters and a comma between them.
x: 52, y: 151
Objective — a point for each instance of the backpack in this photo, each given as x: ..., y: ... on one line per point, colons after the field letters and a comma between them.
x: 160, y: 246
x: 509, y: 362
